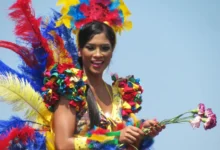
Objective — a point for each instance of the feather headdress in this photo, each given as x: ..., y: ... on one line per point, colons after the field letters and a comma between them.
x: 77, y: 13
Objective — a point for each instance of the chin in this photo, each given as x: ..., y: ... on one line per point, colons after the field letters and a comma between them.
x: 96, y: 71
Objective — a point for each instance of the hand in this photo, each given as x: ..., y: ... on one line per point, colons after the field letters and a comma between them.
x: 131, y: 135
x: 154, y: 126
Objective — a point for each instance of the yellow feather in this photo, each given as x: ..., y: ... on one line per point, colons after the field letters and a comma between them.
x: 23, y: 97
x: 50, y: 138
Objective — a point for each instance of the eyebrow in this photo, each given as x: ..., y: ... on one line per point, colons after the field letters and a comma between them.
x: 104, y: 44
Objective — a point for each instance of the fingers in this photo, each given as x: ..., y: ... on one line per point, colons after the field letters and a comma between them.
x: 131, y: 135
x: 149, y: 123
x: 136, y: 131
x: 154, y: 126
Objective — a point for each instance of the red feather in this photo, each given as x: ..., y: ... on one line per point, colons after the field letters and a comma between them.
x: 63, y: 55
x: 24, y: 53
x: 21, y: 135
x: 28, y: 27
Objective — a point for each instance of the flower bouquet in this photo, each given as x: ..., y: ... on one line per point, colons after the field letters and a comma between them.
x: 195, y: 117
x: 99, y: 138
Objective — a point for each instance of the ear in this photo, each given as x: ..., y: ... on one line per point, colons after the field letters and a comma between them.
x: 80, y: 52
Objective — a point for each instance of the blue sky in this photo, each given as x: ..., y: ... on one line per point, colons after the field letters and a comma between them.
x: 174, y: 48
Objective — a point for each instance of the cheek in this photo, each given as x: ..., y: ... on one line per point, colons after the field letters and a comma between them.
x: 86, y: 57
x: 108, y: 57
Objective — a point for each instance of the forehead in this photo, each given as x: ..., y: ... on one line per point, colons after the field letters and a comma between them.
x: 99, y: 39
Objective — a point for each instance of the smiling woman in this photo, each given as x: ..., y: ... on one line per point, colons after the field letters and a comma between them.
x: 85, y: 111
x: 173, y: 48
x: 96, y: 42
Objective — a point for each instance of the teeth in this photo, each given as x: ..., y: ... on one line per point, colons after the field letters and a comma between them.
x: 97, y: 62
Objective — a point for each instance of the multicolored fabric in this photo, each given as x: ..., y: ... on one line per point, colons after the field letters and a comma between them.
x: 107, y: 121
x: 64, y: 80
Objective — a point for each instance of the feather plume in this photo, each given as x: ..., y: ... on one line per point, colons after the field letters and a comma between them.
x: 17, y: 138
x: 14, y: 122
x: 62, y: 53
x: 20, y: 94
x: 28, y: 27
x: 68, y: 39
x: 18, y: 128
x: 27, y: 74
x: 39, y: 143
x: 23, y: 52
x: 49, y: 25
x: 33, y: 66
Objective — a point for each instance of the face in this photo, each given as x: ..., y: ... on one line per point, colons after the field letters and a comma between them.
x: 96, y: 54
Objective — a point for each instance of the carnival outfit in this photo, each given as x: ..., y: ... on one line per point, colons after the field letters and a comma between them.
x: 50, y: 70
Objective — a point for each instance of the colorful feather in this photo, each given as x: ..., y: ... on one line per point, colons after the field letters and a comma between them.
x: 39, y: 144
x: 15, y: 133
x: 62, y: 53
x: 68, y: 38
x: 49, y: 26
x: 23, y: 52
x: 28, y: 27
x: 14, y: 122
x: 20, y: 94
x: 25, y: 75
x: 33, y: 66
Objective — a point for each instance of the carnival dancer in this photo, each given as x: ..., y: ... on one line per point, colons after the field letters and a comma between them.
x: 84, y: 111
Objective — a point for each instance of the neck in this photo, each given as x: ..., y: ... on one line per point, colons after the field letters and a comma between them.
x: 95, y: 80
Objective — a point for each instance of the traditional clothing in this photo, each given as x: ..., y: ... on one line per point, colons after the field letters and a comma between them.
x: 50, y: 70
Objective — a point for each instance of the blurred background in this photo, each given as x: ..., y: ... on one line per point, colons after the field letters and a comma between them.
x: 174, y: 48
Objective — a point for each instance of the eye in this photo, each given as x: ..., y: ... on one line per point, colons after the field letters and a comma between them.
x: 90, y: 47
x: 105, y: 48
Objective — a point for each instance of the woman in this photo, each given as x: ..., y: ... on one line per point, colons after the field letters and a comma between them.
x: 96, y: 42
x: 79, y: 105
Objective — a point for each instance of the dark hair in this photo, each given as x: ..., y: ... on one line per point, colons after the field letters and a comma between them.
x: 89, y: 30
x: 85, y: 34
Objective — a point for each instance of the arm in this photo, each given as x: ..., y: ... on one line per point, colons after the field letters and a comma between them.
x: 64, y: 125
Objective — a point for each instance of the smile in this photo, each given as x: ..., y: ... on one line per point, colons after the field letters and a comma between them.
x: 97, y: 64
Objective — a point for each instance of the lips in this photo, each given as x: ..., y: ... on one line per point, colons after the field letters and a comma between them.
x: 97, y: 63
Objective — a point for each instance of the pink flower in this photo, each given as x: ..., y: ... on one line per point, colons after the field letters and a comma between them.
x: 210, y: 122
x: 201, y: 108
x: 211, y: 119
x: 208, y: 112
x: 195, y: 123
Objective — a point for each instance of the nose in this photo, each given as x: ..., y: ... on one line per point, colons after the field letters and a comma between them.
x: 98, y: 53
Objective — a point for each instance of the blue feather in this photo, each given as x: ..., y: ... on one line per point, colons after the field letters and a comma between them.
x: 114, y: 5
x: 6, y: 126
x: 39, y: 142
x: 4, y: 69
x: 63, y: 32
x: 84, y: 1
x: 121, y: 16
x: 36, y: 73
x: 66, y: 35
x: 76, y: 13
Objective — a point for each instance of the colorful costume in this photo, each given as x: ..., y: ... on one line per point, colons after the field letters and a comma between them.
x: 50, y: 70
